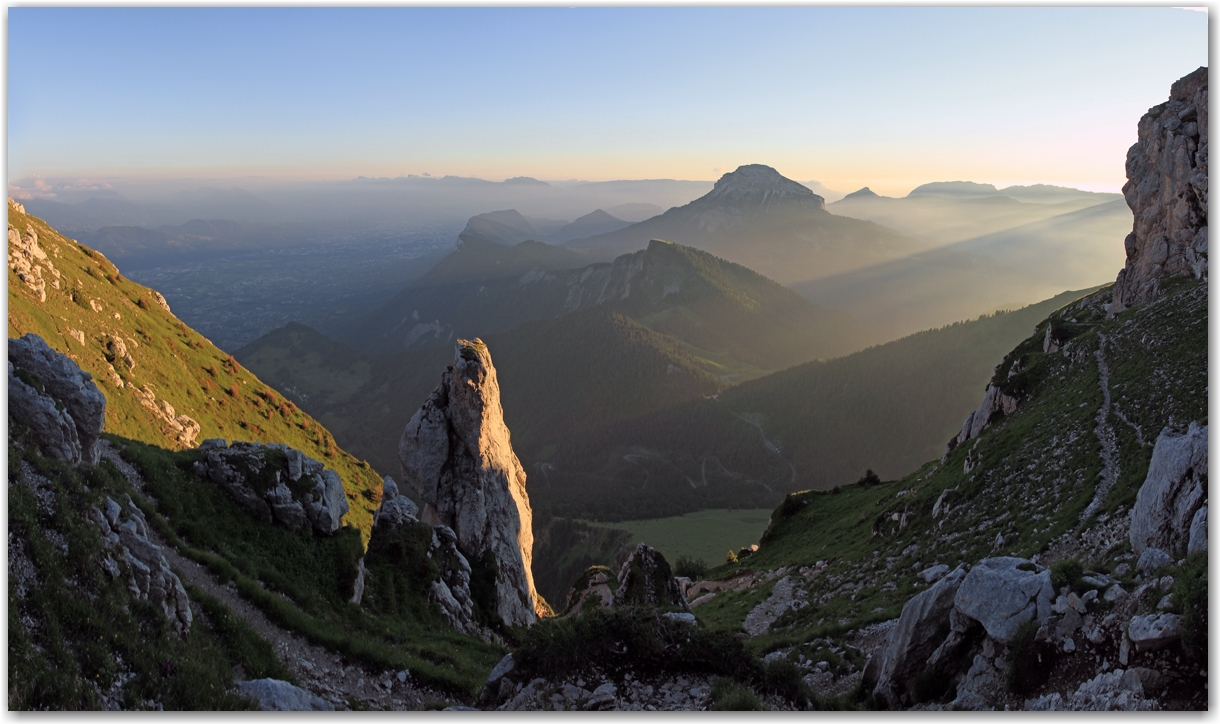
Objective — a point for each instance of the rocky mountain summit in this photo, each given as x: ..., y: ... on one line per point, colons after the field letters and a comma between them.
x: 457, y: 456
x: 1167, y: 189
x: 755, y: 187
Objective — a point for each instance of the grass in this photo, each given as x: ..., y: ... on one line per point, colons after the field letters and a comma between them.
x: 175, y: 363
x: 76, y: 633
x: 303, y: 582
x: 706, y: 534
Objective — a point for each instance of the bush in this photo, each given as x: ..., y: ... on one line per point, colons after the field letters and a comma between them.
x: 1190, y: 600
x: 731, y: 557
x: 1066, y: 573
x: 729, y: 695
x: 870, y: 478
x: 692, y: 568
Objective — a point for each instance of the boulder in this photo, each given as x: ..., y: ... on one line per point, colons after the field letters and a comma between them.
x: 1154, y: 631
x: 51, y: 429
x: 979, y: 687
x: 276, y: 695
x: 646, y: 580
x: 922, y: 626
x: 491, y: 687
x: 591, y: 591
x: 934, y: 573
x: 1152, y: 560
x: 1167, y: 191
x: 395, y: 509
x: 1197, y: 540
x: 1173, y: 491
x: 1003, y: 594
x: 457, y: 456
x: 70, y: 390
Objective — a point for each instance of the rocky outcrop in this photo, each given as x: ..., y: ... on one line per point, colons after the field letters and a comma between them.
x: 182, y: 429
x: 1004, y: 593
x: 276, y: 695
x: 276, y: 483
x: 56, y: 399
x: 785, y: 596
x: 995, y: 401
x: 591, y: 591
x: 1154, y: 631
x: 647, y: 580
x: 137, y: 559
x: 922, y: 627
x: 1116, y: 690
x: 28, y: 260
x: 1167, y: 191
x: 395, y: 509
x: 457, y: 456
x: 1173, y: 492
x: 451, y: 591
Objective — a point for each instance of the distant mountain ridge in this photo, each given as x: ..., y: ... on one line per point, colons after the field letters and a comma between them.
x: 757, y: 218
x: 735, y: 319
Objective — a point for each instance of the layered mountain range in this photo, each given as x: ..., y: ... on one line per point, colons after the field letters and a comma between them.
x: 183, y: 535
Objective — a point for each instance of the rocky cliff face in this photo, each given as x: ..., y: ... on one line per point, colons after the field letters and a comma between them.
x: 1167, y: 189
x: 457, y: 456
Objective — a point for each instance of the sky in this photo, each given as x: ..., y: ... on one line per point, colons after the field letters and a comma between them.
x: 888, y: 97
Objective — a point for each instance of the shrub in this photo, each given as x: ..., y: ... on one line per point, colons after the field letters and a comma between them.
x: 731, y: 557
x: 692, y: 568
x: 729, y: 695
x: 1190, y: 600
x: 870, y: 478
x: 1066, y: 572
x: 636, y: 639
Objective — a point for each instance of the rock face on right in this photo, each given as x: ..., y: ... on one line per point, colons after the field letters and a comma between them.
x: 1167, y: 189
x: 457, y: 456
x: 1172, y: 494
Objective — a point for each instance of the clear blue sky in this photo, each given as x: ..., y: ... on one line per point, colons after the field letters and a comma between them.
x: 890, y: 97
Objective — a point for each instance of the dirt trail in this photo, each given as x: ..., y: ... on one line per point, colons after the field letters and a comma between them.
x: 318, y: 670
x: 1105, y: 434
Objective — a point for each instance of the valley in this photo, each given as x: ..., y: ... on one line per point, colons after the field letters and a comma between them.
x: 745, y: 450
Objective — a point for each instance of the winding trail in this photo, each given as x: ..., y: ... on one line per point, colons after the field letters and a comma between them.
x: 770, y: 446
x: 316, y: 669
x: 1105, y: 435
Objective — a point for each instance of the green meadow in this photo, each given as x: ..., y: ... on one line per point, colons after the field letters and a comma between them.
x: 707, y: 534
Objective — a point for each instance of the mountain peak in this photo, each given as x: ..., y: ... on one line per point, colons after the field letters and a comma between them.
x: 756, y: 185
x: 864, y: 193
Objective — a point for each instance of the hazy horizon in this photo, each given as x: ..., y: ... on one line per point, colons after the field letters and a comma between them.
x: 152, y: 100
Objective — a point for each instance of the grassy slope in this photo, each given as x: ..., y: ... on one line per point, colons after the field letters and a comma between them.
x: 1037, y: 471
x: 75, y: 632
x: 177, y: 364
